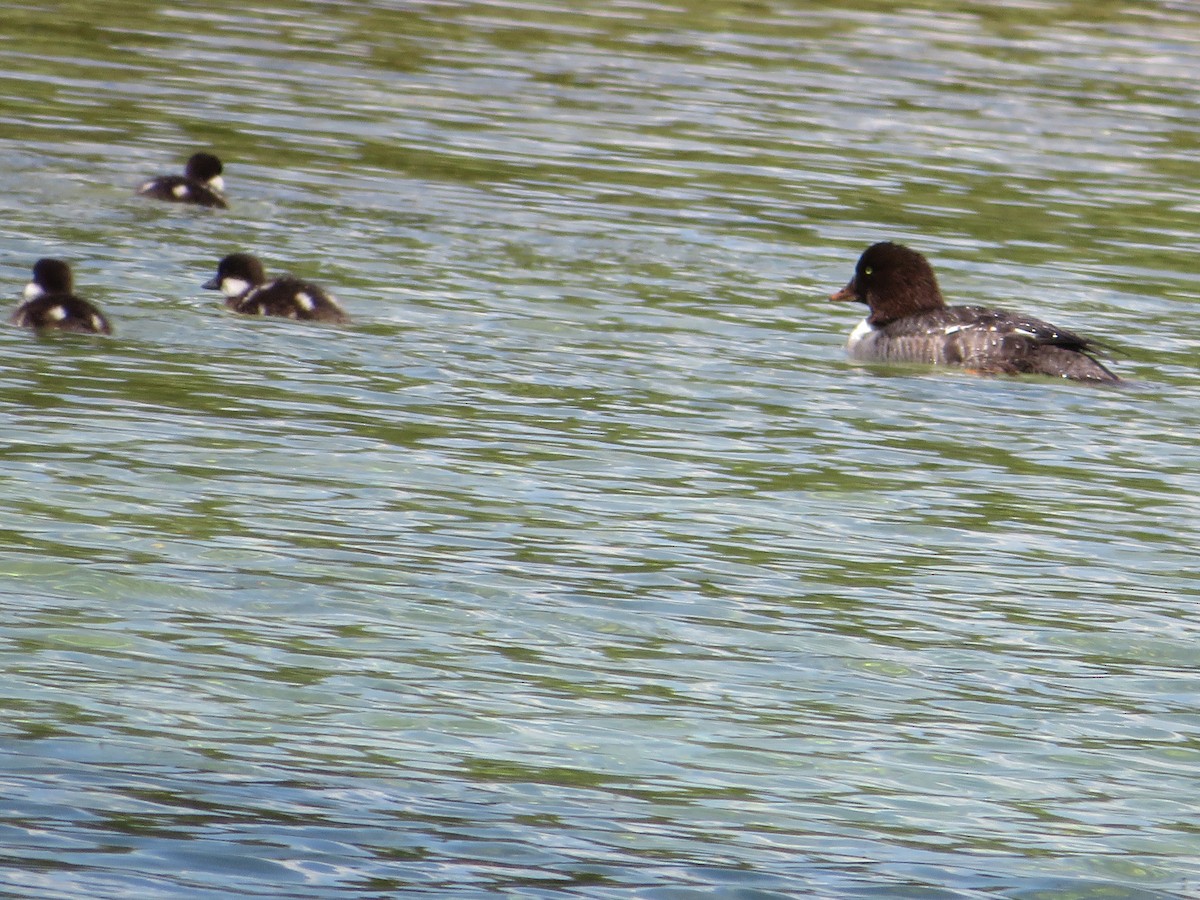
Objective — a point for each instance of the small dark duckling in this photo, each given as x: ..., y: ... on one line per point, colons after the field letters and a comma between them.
x: 910, y: 322
x: 50, y: 303
x: 241, y: 278
x: 201, y: 183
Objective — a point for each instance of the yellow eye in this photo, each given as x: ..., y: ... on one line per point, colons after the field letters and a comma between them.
x: 867, y: 270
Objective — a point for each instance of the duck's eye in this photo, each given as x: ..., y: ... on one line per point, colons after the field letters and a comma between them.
x: 868, y: 270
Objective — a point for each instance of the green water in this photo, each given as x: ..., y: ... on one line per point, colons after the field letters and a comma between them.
x: 584, y: 563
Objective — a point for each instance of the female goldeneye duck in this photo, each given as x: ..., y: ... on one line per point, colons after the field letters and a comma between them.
x: 201, y: 183
x: 240, y: 277
x: 49, y: 303
x: 910, y: 322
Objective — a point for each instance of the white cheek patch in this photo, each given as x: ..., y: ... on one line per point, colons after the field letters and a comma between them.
x: 57, y: 313
x: 234, y: 287
x: 305, y: 301
x: 217, y: 183
x: 180, y: 191
x: 32, y: 291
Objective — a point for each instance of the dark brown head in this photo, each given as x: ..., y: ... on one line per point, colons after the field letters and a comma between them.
x: 236, y: 274
x: 894, y: 282
x: 205, y: 168
x: 50, y: 276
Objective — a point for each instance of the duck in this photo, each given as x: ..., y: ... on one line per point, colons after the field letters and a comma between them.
x: 243, y: 280
x: 201, y: 184
x: 50, y: 303
x: 909, y: 321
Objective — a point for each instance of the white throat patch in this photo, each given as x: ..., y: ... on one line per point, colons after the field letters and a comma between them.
x: 859, y: 334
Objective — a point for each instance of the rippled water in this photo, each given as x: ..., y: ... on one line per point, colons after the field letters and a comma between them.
x: 584, y: 563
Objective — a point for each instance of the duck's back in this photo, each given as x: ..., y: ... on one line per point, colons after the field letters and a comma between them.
x: 290, y: 298
x: 181, y: 189
x: 62, y: 312
x: 983, y: 340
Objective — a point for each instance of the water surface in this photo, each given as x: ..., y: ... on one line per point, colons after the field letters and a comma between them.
x: 584, y: 563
